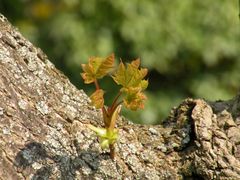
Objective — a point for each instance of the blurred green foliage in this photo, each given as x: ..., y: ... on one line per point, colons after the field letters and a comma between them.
x: 192, y: 48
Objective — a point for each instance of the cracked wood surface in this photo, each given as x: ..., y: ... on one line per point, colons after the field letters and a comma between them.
x: 43, y: 133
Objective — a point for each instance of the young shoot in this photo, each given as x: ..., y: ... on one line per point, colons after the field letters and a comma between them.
x: 131, y: 79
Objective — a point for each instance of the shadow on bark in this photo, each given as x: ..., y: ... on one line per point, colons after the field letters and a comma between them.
x: 34, y: 154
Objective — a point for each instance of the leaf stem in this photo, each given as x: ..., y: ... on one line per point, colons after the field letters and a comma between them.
x: 112, y: 151
x: 105, y: 117
x: 113, y: 106
x: 116, y: 105
x: 96, y: 84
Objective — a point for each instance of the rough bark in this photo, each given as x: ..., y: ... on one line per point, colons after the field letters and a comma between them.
x: 43, y: 133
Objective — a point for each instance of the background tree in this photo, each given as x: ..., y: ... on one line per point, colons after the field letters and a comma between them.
x: 190, y: 47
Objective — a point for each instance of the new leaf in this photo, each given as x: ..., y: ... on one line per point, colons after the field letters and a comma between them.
x: 97, y: 68
x: 131, y: 78
x: 97, y: 98
x: 134, y: 99
x: 107, y: 137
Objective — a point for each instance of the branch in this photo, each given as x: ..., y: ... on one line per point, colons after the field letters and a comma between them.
x: 43, y: 130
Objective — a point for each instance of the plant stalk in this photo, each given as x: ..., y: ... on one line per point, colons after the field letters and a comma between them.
x: 113, y: 106
x: 96, y: 85
x: 112, y: 151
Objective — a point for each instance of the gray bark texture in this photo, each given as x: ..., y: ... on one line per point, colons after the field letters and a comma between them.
x: 43, y: 133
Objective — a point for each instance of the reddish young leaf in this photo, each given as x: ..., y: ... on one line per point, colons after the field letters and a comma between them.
x: 134, y: 99
x: 97, y: 98
x: 136, y: 63
x: 131, y: 78
x: 97, y: 68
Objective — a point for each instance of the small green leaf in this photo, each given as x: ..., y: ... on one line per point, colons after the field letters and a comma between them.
x: 106, y: 136
x: 101, y: 132
x: 104, y: 143
x: 110, y: 138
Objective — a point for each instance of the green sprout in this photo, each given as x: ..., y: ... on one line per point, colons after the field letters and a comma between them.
x: 130, y: 78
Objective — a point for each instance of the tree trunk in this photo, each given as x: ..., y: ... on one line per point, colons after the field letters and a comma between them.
x: 43, y: 132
